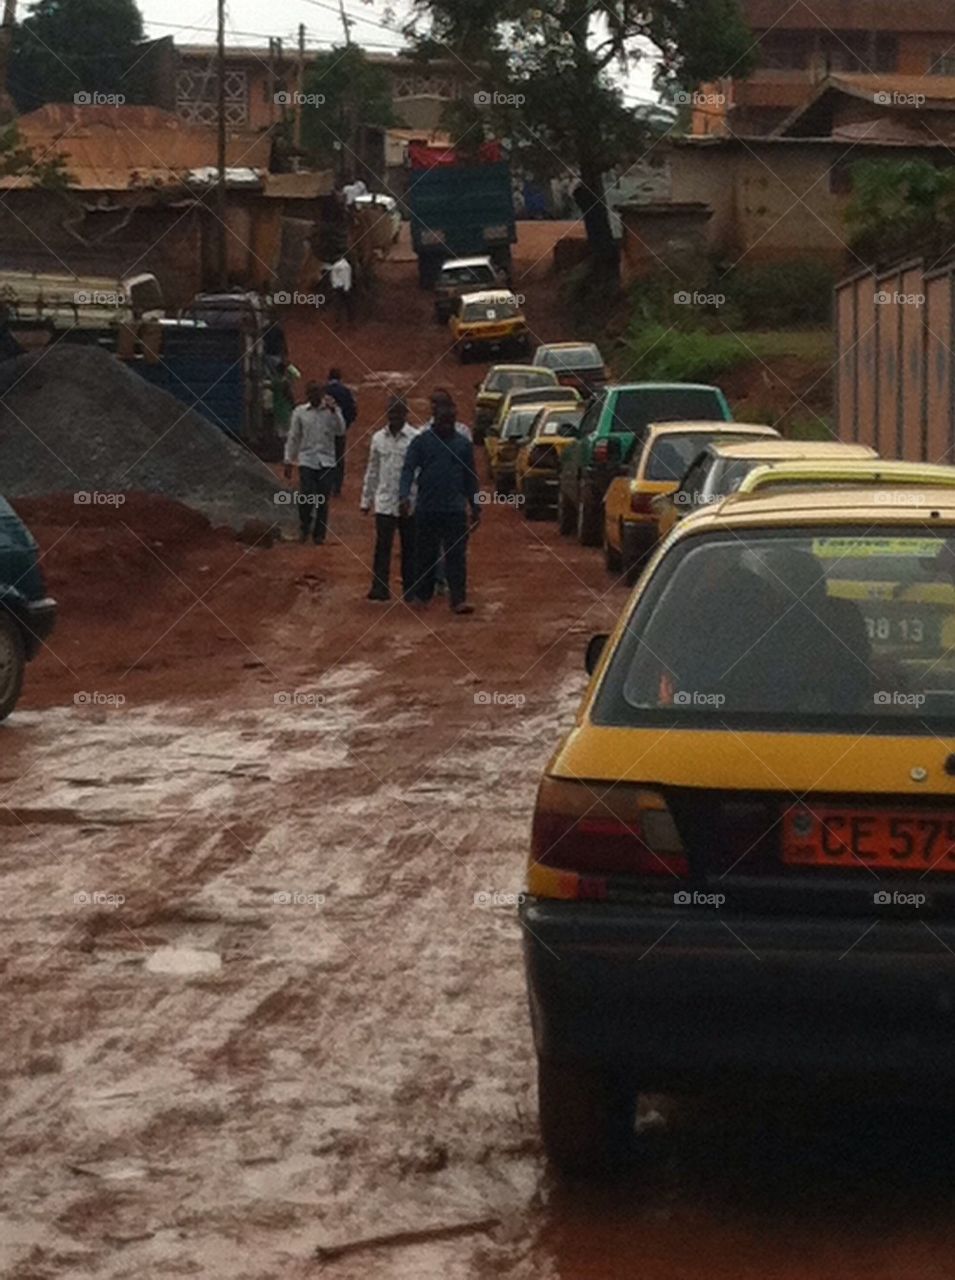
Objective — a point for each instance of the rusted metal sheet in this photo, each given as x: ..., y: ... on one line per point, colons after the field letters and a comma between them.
x: 847, y: 368
x: 910, y: 442
x: 867, y: 385
x: 895, y: 383
x: 889, y: 330
x: 938, y: 364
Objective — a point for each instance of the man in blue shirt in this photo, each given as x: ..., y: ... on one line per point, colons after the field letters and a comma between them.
x: 345, y: 400
x: 441, y: 461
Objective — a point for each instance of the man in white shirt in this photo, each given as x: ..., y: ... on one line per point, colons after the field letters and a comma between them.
x: 314, y: 428
x: 341, y: 279
x: 386, y: 457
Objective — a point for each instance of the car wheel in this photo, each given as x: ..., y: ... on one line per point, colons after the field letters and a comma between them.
x: 611, y: 556
x: 566, y: 516
x: 12, y: 664
x: 589, y: 518
x: 587, y: 1115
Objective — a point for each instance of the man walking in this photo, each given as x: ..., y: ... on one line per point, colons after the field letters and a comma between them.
x: 381, y: 491
x: 341, y: 279
x: 345, y: 400
x: 311, y: 440
x: 441, y: 460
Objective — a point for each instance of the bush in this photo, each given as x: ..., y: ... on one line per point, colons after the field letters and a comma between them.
x: 789, y: 293
x: 654, y: 352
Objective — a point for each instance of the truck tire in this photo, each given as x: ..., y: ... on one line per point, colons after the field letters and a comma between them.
x: 12, y: 663
x: 589, y: 517
x: 566, y: 516
x: 587, y: 1115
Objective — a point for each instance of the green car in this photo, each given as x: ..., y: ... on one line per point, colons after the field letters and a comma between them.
x: 616, y: 419
x: 27, y: 614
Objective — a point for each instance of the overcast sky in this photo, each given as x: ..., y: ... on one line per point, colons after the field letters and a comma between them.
x: 252, y: 22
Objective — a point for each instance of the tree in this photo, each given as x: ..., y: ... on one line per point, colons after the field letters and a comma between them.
x: 343, y: 91
x: 548, y: 64
x: 69, y: 47
x: 901, y: 208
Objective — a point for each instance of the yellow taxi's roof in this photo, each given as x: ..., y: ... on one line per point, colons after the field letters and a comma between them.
x: 869, y: 505
x: 553, y: 406
x: 793, y: 449
x: 565, y: 396
x: 848, y: 471
x: 489, y: 296
x: 521, y: 368
x: 716, y: 428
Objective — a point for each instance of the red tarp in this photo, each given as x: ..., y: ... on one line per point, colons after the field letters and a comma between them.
x: 422, y: 156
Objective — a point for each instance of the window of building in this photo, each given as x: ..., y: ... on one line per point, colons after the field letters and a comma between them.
x: 785, y: 50
x: 943, y: 64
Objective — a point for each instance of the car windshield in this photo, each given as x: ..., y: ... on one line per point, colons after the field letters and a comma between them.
x: 518, y: 423
x: 500, y: 309
x: 585, y: 356
x: 671, y: 455
x: 561, y: 424
x: 517, y: 379
x: 846, y: 630
x: 635, y: 409
x: 467, y: 275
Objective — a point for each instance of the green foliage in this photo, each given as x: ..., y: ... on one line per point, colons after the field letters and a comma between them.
x: 17, y: 159
x: 550, y: 60
x: 900, y: 208
x: 655, y: 352
x: 355, y: 92
x: 66, y: 47
x: 790, y: 293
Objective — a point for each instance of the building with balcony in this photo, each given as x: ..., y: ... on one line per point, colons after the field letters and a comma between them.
x: 800, y: 43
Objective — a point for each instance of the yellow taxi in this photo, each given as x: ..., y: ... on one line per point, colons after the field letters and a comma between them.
x: 776, y: 476
x: 497, y: 382
x: 719, y: 470
x: 503, y: 444
x: 490, y: 320
x: 743, y: 853
x: 538, y: 460
x: 630, y: 527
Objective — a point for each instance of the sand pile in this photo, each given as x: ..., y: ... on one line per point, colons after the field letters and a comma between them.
x: 74, y: 419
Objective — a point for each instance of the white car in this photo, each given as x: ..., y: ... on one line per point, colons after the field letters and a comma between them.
x: 389, y: 204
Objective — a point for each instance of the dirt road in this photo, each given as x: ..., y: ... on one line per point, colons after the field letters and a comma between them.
x: 262, y: 988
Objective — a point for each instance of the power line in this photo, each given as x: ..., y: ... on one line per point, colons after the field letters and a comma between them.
x: 262, y: 35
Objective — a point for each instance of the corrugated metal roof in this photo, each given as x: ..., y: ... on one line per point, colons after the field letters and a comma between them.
x: 118, y: 148
x: 299, y: 186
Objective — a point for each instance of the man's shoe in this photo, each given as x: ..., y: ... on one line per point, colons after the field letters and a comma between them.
x: 462, y: 608
x: 378, y: 595
x: 303, y: 538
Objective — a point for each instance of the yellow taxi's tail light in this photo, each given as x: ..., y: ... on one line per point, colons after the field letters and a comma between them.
x: 598, y: 830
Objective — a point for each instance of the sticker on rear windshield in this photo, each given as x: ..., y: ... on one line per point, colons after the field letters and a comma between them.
x: 866, y: 548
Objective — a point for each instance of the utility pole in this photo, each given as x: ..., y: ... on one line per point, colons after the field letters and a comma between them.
x: 7, y: 109
x: 300, y: 85
x: 346, y: 22
x: 222, y: 264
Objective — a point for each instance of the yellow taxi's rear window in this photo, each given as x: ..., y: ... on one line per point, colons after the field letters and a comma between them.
x: 839, y: 630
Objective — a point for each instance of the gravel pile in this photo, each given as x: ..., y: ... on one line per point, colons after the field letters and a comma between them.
x: 75, y: 419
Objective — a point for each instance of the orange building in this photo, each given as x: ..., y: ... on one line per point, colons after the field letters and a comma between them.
x: 798, y: 44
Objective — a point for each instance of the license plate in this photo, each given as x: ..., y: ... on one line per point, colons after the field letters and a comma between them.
x: 886, y: 839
